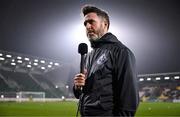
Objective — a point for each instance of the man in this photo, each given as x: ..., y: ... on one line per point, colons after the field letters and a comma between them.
x: 109, y: 82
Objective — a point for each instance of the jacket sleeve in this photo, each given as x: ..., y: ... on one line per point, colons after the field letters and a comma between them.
x: 126, y: 89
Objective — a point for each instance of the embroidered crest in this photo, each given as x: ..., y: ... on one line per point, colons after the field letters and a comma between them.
x: 102, y: 59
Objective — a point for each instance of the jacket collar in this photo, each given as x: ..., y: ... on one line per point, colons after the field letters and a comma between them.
x: 105, y: 39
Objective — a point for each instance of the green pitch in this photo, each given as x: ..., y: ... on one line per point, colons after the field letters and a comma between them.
x: 69, y: 109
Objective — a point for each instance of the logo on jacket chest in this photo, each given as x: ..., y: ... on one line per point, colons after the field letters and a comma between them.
x: 102, y: 59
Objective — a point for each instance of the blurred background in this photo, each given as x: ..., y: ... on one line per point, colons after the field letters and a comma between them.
x: 39, y: 41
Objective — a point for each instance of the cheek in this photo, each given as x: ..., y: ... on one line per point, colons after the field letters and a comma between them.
x: 97, y: 27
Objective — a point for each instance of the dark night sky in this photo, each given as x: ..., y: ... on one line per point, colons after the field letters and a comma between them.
x: 50, y: 29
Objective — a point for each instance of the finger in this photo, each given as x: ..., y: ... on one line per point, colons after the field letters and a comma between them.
x: 79, y: 84
x: 75, y: 82
x: 79, y: 78
x: 79, y: 81
x: 80, y: 75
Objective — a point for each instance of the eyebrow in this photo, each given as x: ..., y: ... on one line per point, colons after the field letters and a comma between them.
x: 88, y: 21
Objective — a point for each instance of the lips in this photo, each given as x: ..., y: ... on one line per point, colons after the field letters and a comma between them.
x: 90, y: 32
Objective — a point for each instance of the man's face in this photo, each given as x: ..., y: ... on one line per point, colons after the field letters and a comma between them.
x: 95, y: 26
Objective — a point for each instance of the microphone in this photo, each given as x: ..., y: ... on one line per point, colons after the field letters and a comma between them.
x: 82, y: 49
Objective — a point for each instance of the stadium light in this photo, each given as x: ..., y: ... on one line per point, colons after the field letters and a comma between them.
x: 148, y: 79
x: 141, y: 79
x: 49, y: 66
x: 1, y: 54
x: 167, y: 78
x: 27, y: 59
x: 19, y: 61
x: 19, y: 57
x: 158, y: 78
x: 50, y: 63
x: 2, y: 59
x: 67, y: 86
x: 2, y: 96
x: 63, y: 97
x: 35, y: 64
x: 35, y: 60
x: 12, y: 60
x: 13, y: 64
x: 42, y: 61
x: 57, y: 64
x: 42, y: 67
x: 8, y: 56
x: 176, y: 77
x: 56, y: 86
x: 29, y: 66
x: 17, y: 96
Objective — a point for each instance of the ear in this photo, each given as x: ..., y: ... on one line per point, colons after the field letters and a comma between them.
x: 106, y: 24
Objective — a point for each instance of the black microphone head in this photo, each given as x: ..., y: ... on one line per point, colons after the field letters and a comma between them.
x: 82, y: 48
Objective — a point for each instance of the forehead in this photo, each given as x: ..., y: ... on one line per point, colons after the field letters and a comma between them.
x: 91, y: 16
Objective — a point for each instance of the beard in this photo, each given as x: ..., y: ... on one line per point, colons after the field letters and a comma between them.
x: 94, y: 35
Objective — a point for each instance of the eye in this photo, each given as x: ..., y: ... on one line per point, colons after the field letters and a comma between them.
x: 91, y: 21
x: 88, y: 21
x: 85, y: 23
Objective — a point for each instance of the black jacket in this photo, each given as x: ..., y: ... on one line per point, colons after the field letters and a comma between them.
x: 111, y: 84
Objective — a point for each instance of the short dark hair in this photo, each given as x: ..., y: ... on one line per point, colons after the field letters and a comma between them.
x: 88, y: 9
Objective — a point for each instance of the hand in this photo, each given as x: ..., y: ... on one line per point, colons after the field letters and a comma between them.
x: 79, y: 80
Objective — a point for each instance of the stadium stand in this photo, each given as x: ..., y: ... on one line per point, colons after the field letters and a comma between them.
x: 26, y: 73
x: 163, y: 87
x: 23, y: 73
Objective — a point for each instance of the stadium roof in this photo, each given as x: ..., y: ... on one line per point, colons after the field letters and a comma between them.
x: 25, y: 63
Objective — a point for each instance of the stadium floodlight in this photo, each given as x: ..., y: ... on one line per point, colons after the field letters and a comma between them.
x: 19, y: 61
x: 57, y: 64
x: 27, y: 59
x: 63, y: 97
x: 50, y: 63
x: 1, y: 54
x: 12, y: 60
x: 35, y: 64
x: 158, y: 78
x: 35, y: 60
x: 42, y: 61
x: 49, y: 66
x: 19, y: 57
x: 176, y: 77
x: 17, y: 96
x: 2, y: 59
x: 29, y: 66
x: 13, y: 64
x: 8, y: 56
x: 67, y: 86
x: 167, y: 78
x: 42, y: 67
x: 148, y: 79
x: 2, y: 96
x: 56, y: 86
x: 141, y: 79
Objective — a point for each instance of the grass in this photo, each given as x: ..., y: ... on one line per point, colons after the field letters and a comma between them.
x: 38, y: 109
x: 69, y: 109
x: 158, y: 109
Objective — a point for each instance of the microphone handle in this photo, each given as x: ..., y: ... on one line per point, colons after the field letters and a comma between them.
x: 82, y: 64
x: 81, y: 69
